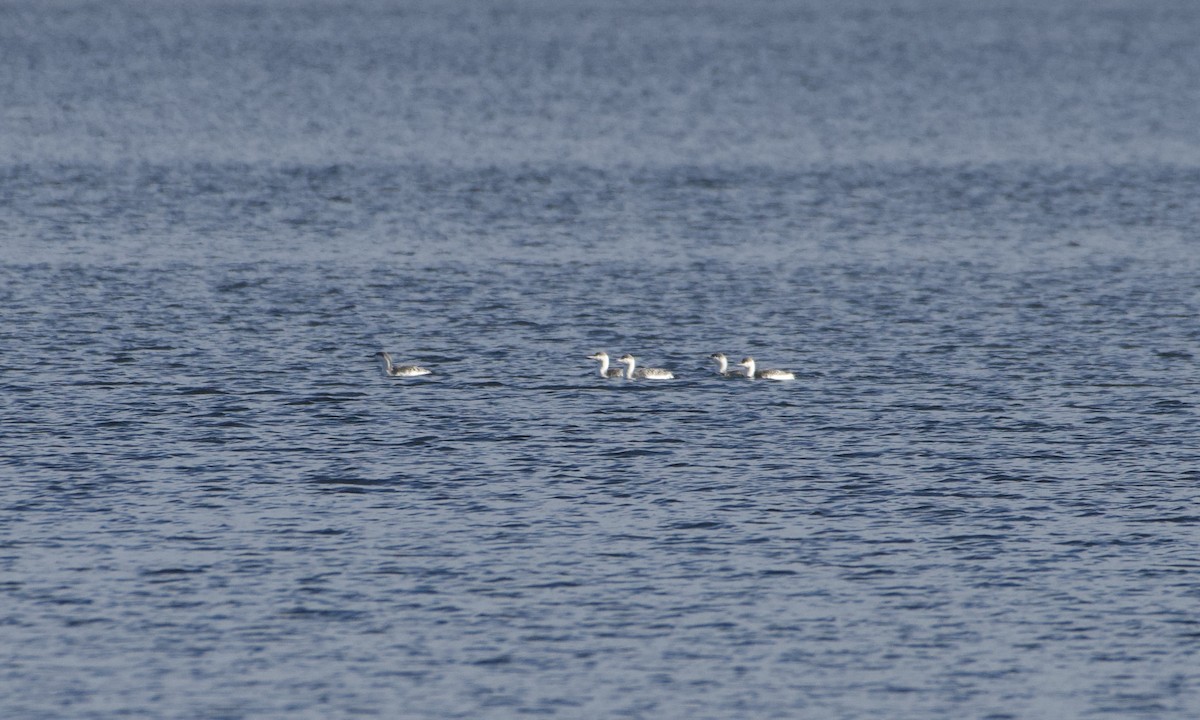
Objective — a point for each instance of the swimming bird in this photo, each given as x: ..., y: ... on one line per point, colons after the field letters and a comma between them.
x: 748, y: 363
x: 647, y: 373
x: 605, y: 370
x: 385, y: 364
x: 723, y: 365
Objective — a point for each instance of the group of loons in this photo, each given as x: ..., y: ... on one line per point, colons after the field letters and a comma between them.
x: 631, y: 371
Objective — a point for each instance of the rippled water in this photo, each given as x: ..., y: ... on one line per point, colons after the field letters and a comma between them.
x: 970, y: 231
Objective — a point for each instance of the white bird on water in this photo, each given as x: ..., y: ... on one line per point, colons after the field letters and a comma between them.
x: 631, y: 372
x: 748, y: 363
x: 722, y: 365
x: 605, y: 370
x: 385, y: 364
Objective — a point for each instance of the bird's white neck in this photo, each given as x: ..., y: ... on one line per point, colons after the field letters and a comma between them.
x: 629, y: 368
x: 749, y: 365
x: 603, y: 366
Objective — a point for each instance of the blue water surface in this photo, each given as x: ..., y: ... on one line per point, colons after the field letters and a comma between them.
x: 969, y: 228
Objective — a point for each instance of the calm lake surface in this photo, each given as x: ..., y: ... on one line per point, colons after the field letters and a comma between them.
x: 969, y: 228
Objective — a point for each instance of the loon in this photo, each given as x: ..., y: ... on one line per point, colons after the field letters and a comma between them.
x: 723, y: 365
x: 385, y: 364
x: 648, y: 373
x: 748, y: 363
x: 605, y: 370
